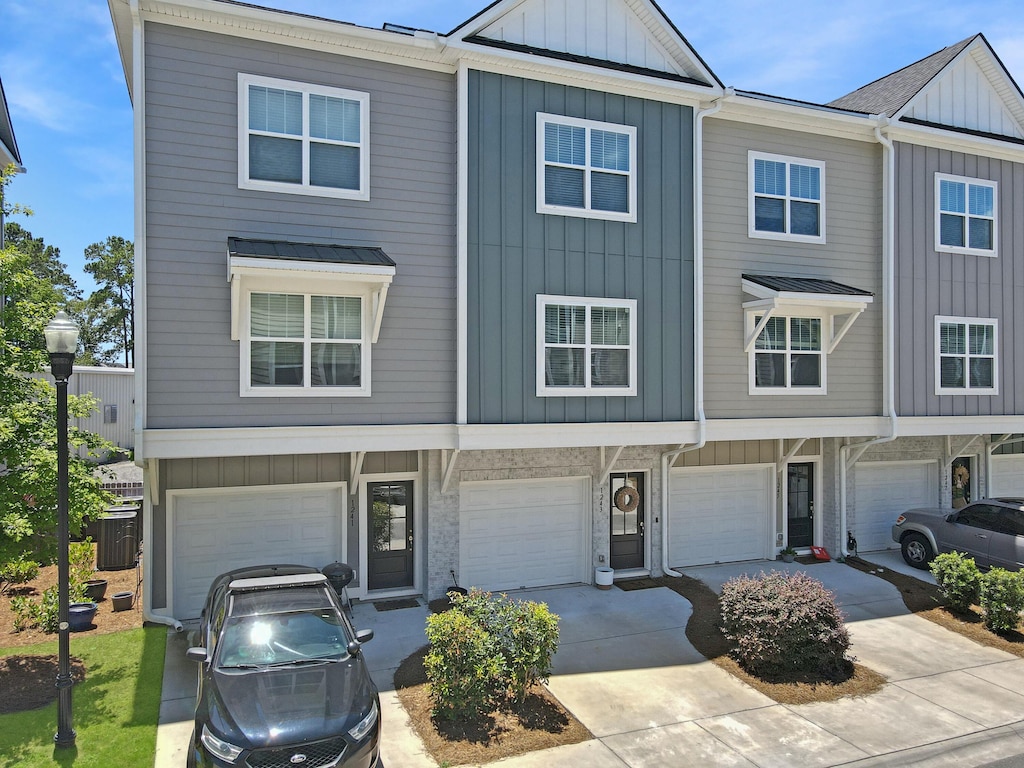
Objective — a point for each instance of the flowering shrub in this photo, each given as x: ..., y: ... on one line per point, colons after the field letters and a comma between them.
x: 785, y: 625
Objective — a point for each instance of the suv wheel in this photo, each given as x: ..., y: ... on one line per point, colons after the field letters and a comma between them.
x: 916, y: 550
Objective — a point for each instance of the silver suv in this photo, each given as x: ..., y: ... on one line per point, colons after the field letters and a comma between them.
x: 989, y: 530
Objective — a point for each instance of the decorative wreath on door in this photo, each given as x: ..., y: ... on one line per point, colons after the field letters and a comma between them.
x: 627, y: 498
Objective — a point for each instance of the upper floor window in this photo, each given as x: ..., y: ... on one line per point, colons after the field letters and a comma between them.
x: 786, y: 198
x: 788, y: 356
x: 586, y: 168
x: 965, y: 356
x: 965, y: 215
x: 586, y: 346
x: 306, y: 343
x: 309, y: 139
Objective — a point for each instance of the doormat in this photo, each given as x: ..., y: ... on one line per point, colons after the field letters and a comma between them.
x: 628, y: 585
x: 394, y: 605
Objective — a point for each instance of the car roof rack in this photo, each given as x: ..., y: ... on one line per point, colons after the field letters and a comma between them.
x: 271, y: 582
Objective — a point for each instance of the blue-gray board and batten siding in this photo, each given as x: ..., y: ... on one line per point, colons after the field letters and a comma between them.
x: 930, y: 283
x: 193, y: 205
x: 514, y: 254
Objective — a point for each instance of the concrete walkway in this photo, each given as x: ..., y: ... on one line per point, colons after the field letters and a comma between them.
x: 626, y: 670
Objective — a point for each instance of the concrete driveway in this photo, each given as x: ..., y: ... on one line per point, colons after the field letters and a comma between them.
x: 626, y: 670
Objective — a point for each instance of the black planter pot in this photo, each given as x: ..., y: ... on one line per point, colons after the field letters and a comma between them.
x: 122, y: 601
x: 95, y: 589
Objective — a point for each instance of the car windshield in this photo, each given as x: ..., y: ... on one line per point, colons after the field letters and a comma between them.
x: 278, y: 627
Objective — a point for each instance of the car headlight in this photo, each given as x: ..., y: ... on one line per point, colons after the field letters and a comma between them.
x: 220, y: 748
x: 901, y: 520
x: 363, y: 726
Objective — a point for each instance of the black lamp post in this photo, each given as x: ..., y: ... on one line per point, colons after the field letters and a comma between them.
x: 62, y: 342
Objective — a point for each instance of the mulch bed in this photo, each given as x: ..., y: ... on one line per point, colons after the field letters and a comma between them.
x: 539, y: 722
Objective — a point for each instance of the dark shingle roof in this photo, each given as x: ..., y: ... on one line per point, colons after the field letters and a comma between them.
x: 334, y: 254
x: 888, y: 95
x: 805, y: 285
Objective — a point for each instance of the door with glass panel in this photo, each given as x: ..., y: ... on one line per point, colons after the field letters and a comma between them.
x: 627, y: 520
x: 800, y: 505
x: 390, y: 516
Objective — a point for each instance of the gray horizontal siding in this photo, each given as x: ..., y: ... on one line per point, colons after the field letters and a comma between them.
x: 247, y: 471
x: 929, y: 283
x: 193, y: 205
x: 851, y: 255
x: 516, y: 254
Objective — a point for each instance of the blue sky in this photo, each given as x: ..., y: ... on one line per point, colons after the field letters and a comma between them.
x: 73, y: 121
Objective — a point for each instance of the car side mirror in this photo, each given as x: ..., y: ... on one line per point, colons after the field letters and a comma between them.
x: 362, y: 636
x: 951, y: 517
x: 197, y: 653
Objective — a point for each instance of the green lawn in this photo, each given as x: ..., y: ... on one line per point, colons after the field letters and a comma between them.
x: 114, y: 710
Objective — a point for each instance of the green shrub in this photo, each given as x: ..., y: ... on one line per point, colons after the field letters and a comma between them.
x: 487, y: 650
x: 525, y: 634
x: 1002, y: 599
x: 958, y: 579
x: 785, y: 625
x: 462, y: 667
x: 19, y: 571
x: 45, y: 612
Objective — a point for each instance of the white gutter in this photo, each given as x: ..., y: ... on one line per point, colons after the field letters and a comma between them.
x: 698, y: 318
x: 888, y: 322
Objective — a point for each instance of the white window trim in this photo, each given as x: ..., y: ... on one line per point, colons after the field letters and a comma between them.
x: 368, y: 283
x: 305, y: 188
x: 586, y: 212
x: 751, y: 218
x: 939, y: 389
x: 543, y: 390
x: 967, y: 181
x: 812, y: 313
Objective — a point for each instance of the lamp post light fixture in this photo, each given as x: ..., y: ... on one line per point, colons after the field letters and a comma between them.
x: 62, y: 342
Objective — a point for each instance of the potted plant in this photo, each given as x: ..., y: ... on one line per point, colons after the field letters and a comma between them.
x: 788, y: 554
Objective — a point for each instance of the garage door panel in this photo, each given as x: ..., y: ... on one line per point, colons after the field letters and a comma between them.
x: 218, y: 532
x: 524, y: 533
x: 883, y: 491
x: 719, y: 515
x: 1008, y: 475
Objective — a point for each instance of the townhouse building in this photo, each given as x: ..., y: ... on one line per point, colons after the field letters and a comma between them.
x: 539, y: 297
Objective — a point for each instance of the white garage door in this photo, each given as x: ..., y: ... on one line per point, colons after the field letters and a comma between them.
x: 720, y: 514
x: 1008, y: 475
x: 523, y: 533
x: 884, y: 489
x: 217, y: 531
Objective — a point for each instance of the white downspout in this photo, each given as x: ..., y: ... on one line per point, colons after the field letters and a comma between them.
x: 698, y: 318
x: 888, y: 321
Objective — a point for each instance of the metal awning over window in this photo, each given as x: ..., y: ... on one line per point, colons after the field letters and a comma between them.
x: 307, y: 266
x: 803, y: 295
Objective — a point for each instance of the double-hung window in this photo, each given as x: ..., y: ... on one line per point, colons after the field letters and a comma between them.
x: 307, y: 139
x: 965, y: 215
x: 787, y: 356
x: 965, y: 356
x: 586, y: 346
x: 786, y: 198
x: 306, y: 343
x: 586, y: 168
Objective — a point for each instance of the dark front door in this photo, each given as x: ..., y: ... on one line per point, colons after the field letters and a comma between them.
x: 627, y: 543
x: 800, y: 495
x: 391, y: 535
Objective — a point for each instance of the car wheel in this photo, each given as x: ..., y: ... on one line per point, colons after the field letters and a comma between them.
x: 916, y: 550
x: 190, y: 756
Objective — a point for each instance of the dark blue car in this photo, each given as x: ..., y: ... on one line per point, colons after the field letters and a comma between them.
x: 282, y: 681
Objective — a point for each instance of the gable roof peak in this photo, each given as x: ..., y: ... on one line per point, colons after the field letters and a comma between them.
x: 625, y: 35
